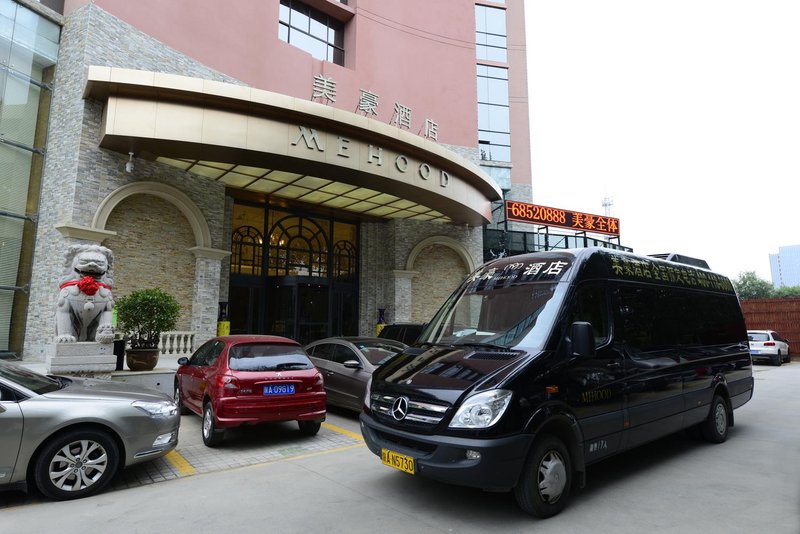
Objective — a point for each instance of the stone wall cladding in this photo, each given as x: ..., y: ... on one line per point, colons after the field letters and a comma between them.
x: 78, y: 174
x: 385, y: 248
x: 144, y: 259
x: 441, y: 271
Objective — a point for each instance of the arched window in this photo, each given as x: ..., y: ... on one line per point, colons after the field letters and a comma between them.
x: 344, y: 259
x: 246, y: 255
x: 298, y: 246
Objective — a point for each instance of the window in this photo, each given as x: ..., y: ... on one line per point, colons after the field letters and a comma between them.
x: 246, y: 251
x: 590, y: 306
x: 494, y: 127
x: 311, y: 30
x: 491, y: 41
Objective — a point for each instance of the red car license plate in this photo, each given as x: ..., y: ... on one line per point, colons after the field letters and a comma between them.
x: 279, y: 389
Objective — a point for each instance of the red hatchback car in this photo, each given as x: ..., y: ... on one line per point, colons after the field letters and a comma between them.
x: 244, y: 380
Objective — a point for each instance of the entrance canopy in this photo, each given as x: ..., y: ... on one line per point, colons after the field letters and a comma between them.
x: 286, y: 147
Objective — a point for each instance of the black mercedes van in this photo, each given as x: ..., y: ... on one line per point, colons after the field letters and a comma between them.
x: 541, y: 364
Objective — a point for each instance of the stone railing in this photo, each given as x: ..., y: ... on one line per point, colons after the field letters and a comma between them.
x: 176, y: 343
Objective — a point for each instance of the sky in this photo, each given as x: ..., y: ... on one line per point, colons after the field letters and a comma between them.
x: 685, y: 113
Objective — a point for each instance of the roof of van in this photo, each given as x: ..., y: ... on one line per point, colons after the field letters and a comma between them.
x: 597, y: 262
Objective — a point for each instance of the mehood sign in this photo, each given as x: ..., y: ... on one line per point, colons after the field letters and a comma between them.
x: 373, y: 155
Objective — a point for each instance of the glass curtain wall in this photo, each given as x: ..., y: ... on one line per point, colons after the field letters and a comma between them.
x: 28, y: 51
x: 491, y: 46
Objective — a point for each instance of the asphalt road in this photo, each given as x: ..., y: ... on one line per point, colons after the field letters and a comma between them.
x: 751, y: 483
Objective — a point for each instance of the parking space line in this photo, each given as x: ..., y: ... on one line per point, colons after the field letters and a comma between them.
x: 343, y: 431
x: 180, y: 463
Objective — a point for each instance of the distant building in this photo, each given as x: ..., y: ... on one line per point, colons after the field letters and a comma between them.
x: 785, y: 266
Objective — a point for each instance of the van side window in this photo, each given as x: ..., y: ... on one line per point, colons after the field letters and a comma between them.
x: 591, y: 306
x: 650, y: 319
x: 654, y: 318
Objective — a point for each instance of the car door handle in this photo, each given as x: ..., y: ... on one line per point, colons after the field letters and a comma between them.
x: 613, y: 365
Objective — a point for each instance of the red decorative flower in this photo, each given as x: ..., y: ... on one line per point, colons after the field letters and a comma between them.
x: 88, y: 285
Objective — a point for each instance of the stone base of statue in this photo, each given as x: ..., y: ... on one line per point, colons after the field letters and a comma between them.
x: 81, y: 357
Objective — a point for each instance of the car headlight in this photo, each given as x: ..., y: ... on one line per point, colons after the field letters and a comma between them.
x: 482, y: 410
x: 163, y: 408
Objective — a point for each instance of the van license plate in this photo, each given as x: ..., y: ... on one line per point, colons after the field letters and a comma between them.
x: 398, y: 461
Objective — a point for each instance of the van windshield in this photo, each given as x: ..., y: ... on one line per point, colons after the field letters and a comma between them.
x: 500, y: 316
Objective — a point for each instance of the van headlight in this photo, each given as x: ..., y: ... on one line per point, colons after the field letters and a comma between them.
x: 482, y: 410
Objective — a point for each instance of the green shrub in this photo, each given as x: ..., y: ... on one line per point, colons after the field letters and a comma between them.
x: 144, y: 314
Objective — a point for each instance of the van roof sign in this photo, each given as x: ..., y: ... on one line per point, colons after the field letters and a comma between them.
x: 526, y: 269
x: 654, y: 270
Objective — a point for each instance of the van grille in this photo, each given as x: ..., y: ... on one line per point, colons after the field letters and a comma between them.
x: 425, y: 414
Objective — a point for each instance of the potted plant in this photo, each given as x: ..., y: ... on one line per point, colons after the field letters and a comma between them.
x: 142, y: 316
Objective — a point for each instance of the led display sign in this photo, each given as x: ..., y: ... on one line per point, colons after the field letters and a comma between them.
x: 574, y: 220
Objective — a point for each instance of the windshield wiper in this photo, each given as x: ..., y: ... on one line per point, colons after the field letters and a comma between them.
x: 292, y: 365
x: 480, y: 345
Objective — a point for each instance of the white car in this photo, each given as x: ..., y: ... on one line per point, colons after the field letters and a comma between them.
x: 768, y: 345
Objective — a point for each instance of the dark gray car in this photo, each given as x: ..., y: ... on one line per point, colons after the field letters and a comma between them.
x: 70, y: 436
x: 347, y: 363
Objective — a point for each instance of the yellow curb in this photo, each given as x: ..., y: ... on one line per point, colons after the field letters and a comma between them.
x: 343, y: 431
x: 180, y: 463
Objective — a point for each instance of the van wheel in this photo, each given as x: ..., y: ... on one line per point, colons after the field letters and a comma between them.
x: 715, y: 427
x: 543, y: 490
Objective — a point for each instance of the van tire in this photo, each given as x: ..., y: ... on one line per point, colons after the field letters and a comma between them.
x: 715, y: 427
x: 543, y: 489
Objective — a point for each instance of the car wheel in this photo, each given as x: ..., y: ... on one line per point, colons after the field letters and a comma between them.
x: 212, y: 436
x: 778, y: 360
x: 183, y: 410
x: 715, y: 427
x: 309, y: 428
x: 76, y: 464
x: 787, y: 359
x: 544, y: 488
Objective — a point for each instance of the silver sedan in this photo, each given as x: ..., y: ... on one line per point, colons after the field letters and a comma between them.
x: 347, y: 363
x: 70, y: 436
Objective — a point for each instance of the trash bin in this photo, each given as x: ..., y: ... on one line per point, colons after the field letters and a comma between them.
x: 119, y: 352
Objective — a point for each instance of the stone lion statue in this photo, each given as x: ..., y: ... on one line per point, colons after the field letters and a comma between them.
x: 85, y: 304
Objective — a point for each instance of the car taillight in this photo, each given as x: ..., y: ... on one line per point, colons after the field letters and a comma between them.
x: 319, y: 383
x: 228, y: 385
x: 769, y: 343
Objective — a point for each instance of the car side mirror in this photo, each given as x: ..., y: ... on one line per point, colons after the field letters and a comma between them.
x: 353, y: 364
x: 581, y: 340
x: 183, y: 361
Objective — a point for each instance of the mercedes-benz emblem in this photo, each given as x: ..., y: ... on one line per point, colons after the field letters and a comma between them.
x: 400, y: 408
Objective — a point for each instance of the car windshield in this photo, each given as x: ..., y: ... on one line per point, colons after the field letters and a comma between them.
x: 26, y: 378
x: 263, y: 357
x: 379, y: 352
x: 758, y: 336
x: 502, y: 316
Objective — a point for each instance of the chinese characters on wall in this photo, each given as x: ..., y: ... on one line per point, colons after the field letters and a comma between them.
x: 324, y: 89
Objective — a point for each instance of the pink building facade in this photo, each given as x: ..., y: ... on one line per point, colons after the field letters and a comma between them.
x: 293, y: 168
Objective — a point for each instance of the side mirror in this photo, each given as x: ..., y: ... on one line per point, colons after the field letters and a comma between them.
x: 183, y: 361
x: 353, y: 364
x: 581, y: 340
